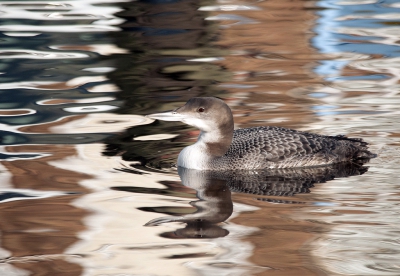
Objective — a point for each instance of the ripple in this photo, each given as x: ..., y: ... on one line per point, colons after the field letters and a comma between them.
x: 59, y: 28
x: 356, y: 2
x: 100, y: 69
x: 389, y: 35
x: 21, y: 34
x: 385, y: 267
x: 101, y: 123
x: 102, y: 49
x: 33, y: 54
x: 237, y: 86
x: 241, y: 20
x: 208, y: 59
x: 384, y: 16
x: 95, y: 100
x: 25, y: 194
x: 378, y: 65
x: 347, y: 56
x: 54, y: 86
x: 349, y: 112
x: 90, y: 108
x: 55, y: 102
x: 26, y: 85
x: 78, y: 81
x: 16, y: 112
x: 104, y: 88
x: 73, y: 10
x: 69, y: 101
x: 36, y: 5
x: 229, y: 8
x: 21, y: 156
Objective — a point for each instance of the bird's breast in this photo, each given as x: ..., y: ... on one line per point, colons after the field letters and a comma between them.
x: 194, y: 157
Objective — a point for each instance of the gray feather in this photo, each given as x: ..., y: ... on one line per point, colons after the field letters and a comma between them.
x: 275, y: 147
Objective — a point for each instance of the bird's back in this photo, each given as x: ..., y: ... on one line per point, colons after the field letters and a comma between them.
x: 275, y: 147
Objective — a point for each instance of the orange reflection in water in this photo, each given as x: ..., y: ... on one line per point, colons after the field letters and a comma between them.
x: 36, y: 232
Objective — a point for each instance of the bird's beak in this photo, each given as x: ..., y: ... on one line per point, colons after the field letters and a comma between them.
x: 166, y: 116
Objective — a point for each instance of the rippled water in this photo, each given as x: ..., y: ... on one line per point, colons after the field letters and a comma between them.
x: 87, y: 186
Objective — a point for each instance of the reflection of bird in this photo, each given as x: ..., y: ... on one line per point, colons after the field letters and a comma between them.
x: 285, y: 182
x: 213, y: 189
x: 220, y: 147
x: 214, y: 206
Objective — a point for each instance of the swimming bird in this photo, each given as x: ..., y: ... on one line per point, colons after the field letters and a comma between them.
x: 220, y: 147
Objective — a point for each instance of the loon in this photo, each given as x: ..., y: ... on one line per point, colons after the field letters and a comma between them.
x: 219, y: 147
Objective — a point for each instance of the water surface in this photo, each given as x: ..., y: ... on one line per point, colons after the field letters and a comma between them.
x: 87, y: 186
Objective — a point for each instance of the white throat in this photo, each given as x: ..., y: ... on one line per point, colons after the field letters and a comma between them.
x: 196, y: 156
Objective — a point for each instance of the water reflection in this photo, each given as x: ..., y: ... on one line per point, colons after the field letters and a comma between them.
x: 326, y: 66
x: 214, y: 206
x: 213, y: 189
x: 171, y: 47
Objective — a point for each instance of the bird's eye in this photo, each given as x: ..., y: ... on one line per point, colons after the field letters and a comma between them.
x: 201, y: 109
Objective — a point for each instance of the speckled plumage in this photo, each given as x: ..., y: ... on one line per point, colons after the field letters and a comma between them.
x: 276, y: 147
x: 277, y: 182
x: 220, y: 147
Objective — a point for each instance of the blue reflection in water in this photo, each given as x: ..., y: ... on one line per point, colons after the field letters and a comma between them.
x: 368, y: 77
x: 329, y: 39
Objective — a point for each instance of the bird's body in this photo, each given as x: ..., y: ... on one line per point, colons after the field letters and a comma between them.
x: 220, y: 147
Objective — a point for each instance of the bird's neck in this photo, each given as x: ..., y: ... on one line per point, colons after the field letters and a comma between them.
x: 215, y: 143
x: 208, y: 148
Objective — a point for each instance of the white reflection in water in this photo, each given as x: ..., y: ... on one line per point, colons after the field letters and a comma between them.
x: 59, y: 28
x: 9, y: 270
x: 385, y: 35
x: 208, y: 59
x: 115, y: 241
x: 102, y: 49
x: 234, y: 260
x: 388, y: 66
x: 362, y: 236
x: 95, y: 100
x: 103, y: 88
x: 62, y: 101
x: 24, y: 34
x: 90, y: 108
x: 101, y: 122
x: 75, y: 82
x: 32, y: 54
x: 386, y: 16
x: 229, y: 8
x: 241, y: 20
x: 356, y: 2
x: 26, y: 84
x: 100, y: 69
x: 67, y: 10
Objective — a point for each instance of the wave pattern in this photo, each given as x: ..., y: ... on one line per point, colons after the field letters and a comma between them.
x: 75, y: 73
x: 51, y: 51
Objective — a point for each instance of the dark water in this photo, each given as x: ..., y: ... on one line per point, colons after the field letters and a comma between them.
x: 87, y: 186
